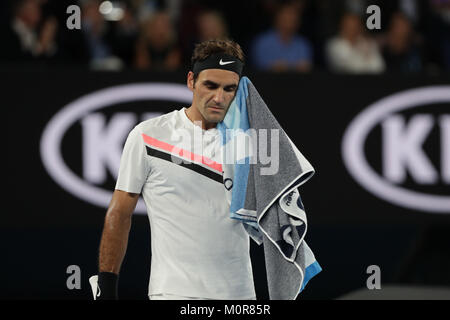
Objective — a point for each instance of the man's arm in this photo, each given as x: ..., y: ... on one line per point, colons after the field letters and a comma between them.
x: 113, y: 244
x: 116, y: 229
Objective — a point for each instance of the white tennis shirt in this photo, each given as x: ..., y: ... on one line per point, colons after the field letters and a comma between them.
x: 197, y: 249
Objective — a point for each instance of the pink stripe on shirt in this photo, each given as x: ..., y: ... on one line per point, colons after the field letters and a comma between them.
x: 182, y: 153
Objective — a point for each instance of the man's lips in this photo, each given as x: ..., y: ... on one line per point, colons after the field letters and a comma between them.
x: 216, y: 108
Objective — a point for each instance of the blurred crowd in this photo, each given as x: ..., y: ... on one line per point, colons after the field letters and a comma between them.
x: 279, y: 36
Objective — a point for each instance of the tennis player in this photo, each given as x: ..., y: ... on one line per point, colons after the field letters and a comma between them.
x: 198, y: 252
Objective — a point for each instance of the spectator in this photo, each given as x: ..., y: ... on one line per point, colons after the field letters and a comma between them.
x: 351, y: 51
x: 400, y: 53
x: 211, y: 25
x: 95, y: 30
x: 26, y: 39
x: 156, y: 47
x: 123, y: 36
x: 281, y: 48
x: 187, y: 28
x: 203, y: 24
x: 145, y: 8
x: 438, y: 30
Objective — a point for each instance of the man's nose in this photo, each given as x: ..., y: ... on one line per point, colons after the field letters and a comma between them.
x: 218, y: 96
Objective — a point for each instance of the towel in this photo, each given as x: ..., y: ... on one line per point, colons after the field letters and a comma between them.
x: 262, y: 172
x: 93, y: 281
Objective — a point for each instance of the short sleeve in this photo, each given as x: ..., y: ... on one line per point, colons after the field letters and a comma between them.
x: 134, y: 169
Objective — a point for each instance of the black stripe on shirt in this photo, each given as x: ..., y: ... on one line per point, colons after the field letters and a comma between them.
x: 184, y: 163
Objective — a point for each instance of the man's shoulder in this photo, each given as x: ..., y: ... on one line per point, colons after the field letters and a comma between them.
x: 163, y: 120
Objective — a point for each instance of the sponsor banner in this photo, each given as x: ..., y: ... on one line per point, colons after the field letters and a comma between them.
x: 380, y: 145
x: 102, y: 139
x: 402, y: 148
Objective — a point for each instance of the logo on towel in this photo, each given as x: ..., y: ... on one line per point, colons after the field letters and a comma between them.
x: 408, y: 161
x: 289, y: 198
x: 94, y: 122
x: 222, y: 63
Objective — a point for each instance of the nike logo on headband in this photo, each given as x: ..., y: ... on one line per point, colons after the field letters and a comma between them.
x: 222, y: 63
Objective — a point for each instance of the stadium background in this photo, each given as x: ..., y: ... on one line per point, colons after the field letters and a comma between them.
x: 46, y: 228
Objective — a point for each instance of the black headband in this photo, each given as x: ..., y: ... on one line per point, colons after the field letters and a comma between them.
x: 219, y: 61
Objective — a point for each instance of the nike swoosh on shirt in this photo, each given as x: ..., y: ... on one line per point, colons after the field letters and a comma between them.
x: 222, y: 63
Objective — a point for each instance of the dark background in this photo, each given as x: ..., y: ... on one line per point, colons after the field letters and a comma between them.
x: 45, y: 229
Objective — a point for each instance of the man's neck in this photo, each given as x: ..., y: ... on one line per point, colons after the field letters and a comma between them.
x: 195, y: 116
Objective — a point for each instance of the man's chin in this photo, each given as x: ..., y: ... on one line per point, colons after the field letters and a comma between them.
x: 215, y: 117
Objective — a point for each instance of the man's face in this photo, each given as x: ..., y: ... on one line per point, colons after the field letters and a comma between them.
x: 213, y: 91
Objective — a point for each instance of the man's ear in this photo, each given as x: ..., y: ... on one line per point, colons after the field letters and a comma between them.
x: 190, y: 80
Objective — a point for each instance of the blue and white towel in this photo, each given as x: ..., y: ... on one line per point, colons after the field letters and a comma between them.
x: 263, y: 190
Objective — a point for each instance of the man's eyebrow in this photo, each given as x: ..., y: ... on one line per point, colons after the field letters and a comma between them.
x: 212, y: 83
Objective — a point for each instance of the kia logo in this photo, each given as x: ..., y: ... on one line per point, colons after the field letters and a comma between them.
x: 98, y: 139
x: 402, y: 149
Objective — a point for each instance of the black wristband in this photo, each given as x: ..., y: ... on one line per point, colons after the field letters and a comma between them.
x: 107, y: 286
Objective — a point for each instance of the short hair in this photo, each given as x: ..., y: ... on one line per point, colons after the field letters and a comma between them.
x: 207, y: 48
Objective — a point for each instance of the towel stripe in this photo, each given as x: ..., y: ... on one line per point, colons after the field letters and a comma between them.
x: 310, y: 271
x: 183, y: 162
